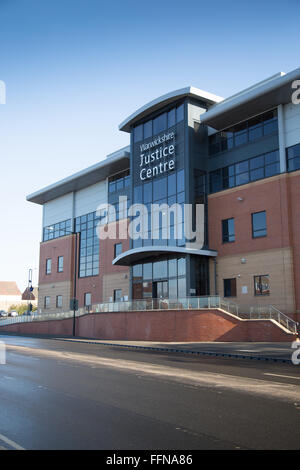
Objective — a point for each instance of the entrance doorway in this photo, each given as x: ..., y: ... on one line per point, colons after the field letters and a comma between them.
x: 160, y: 290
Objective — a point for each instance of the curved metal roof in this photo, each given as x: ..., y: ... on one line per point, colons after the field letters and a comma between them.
x: 168, y: 98
x: 138, y: 254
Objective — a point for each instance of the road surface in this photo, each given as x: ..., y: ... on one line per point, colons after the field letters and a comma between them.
x: 62, y: 395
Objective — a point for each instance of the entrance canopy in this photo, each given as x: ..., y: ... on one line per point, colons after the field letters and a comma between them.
x: 141, y: 254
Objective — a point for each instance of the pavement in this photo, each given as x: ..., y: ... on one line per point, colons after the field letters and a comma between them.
x: 277, y: 352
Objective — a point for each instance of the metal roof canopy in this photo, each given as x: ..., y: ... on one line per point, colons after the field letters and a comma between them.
x: 118, y: 161
x: 166, y: 99
x: 142, y: 254
x: 255, y: 100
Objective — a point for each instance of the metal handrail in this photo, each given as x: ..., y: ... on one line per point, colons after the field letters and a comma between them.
x: 268, y: 312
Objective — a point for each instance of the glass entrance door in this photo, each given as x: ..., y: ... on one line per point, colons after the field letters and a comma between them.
x: 160, y: 290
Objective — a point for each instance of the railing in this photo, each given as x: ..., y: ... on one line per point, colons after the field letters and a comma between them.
x: 268, y: 312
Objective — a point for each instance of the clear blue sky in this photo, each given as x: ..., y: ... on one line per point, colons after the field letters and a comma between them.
x: 74, y: 69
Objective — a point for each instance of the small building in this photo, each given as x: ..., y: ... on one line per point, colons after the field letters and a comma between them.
x: 10, y: 294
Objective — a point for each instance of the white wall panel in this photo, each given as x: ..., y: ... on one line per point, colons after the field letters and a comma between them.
x: 88, y: 199
x: 58, y: 210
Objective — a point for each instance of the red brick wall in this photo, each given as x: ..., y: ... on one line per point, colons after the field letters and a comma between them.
x: 63, y: 246
x: 193, y: 326
x: 295, y: 228
x: 269, y: 195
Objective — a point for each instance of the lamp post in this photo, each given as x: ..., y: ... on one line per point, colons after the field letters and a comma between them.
x: 29, y: 290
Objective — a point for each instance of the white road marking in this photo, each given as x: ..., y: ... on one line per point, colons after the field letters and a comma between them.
x: 285, y: 376
x: 11, y: 443
x: 284, y: 391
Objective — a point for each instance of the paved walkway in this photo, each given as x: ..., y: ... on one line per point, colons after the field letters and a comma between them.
x: 263, y: 351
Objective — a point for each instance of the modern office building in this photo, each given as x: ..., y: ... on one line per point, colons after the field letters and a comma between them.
x: 237, y: 158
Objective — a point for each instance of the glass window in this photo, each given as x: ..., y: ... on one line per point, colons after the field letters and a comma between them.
x: 148, y: 129
x: 173, y: 267
x: 259, y: 224
x: 228, y: 232
x: 180, y: 113
x: 242, y: 167
x: 118, y: 249
x: 262, y: 285
x: 147, y: 272
x: 230, y: 287
x: 87, y: 299
x: 180, y: 181
x: 257, y: 162
x: 242, y: 179
x: 181, y: 266
x: 48, y: 266
x: 257, y: 174
x: 160, y: 124
x: 138, y: 133
x: 159, y: 189
x: 138, y: 194
x: 147, y: 192
x: 172, y: 184
x: 172, y: 288
x: 272, y: 170
x: 171, y: 118
x: 60, y: 264
x: 59, y: 301
x: 47, y: 302
x: 160, y: 269
x: 137, y: 271
x: 215, y: 181
x: 181, y: 287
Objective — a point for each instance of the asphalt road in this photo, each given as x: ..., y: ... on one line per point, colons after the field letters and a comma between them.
x: 62, y: 395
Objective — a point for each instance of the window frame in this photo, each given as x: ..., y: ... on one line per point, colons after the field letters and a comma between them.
x: 261, y: 229
x: 48, y: 271
x: 228, y: 234
x: 59, y: 297
x: 261, y: 293
x: 59, y: 268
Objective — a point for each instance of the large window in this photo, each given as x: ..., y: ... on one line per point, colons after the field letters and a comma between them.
x: 228, y: 232
x: 293, y: 158
x: 89, y: 244
x: 166, y: 190
x: 244, y: 172
x: 230, y: 287
x: 119, y: 181
x: 169, y: 275
x: 259, y: 224
x: 243, y: 133
x: 60, y: 229
x: 262, y: 285
x: 159, y: 124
